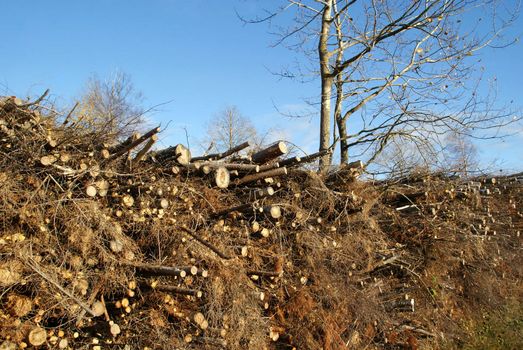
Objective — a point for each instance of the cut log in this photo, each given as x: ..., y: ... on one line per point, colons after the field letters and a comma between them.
x: 273, y: 334
x: 48, y: 160
x: 158, y: 270
x: 272, y: 211
x: 264, y: 192
x: 301, y: 160
x: 98, y: 308
x: 179, y: 290
x: 141, y: 154
x: 116, y: 245
x: 178, y: 153
x: 128, y: 200
x: 216, y: 156
x: 115, y: 329
x: 129, y: 144
x: 10, y: 103
x: 241, y: 250
x: 163, y: 203
x: 271, y: 152
x: 6, y: 344
x: 205, y: 169
x: 270, y: 166
x: 198, y: 318
x: 91, y: 191
x: 63, y: 343
x: 221, y: 177
x: 37, y: 336
x: 193, y: 270
x: 235, y: 166
x: 259, y: 176
x: 102, y: 186
x: 263, y: 232
x: 51, y: 143
x: 264, y: 273
x: 194, y: 166
x: 65, y: 157
x: 247, y: 208
x: 105, y: 153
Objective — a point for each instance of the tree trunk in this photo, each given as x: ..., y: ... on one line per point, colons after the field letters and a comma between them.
x: 338, y: 116
x: 344, y: 148
x: 326, y: 86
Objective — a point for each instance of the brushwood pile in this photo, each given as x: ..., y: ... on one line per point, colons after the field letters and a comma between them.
x: 110, y: 243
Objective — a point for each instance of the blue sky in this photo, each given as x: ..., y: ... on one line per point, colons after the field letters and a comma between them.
x: 195, y: 53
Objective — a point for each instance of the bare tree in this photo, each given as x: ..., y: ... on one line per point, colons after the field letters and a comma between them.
x: 111, y: 106
x: 228, y: 129
x: 400, y: 69
x: 403, y: 157
x: 461, y: 154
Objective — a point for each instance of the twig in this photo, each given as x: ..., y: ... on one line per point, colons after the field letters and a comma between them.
x: 61, y: 289
x: 418, y: 330
x: 66, y: 120
x: 37, y: 101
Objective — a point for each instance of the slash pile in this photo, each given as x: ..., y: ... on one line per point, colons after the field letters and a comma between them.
x: 118, y: 245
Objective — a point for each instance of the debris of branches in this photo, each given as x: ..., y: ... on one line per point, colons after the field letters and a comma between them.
x: 162, y: 250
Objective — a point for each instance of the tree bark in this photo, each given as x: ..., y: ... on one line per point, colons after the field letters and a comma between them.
x: 344, y: 146
x: 326, y: 86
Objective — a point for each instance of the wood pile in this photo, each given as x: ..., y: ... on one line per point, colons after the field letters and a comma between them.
x: 115, y: 243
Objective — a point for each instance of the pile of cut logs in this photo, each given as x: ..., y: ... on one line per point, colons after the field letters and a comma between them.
x: 48, y: 162
x: 122, y: 245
